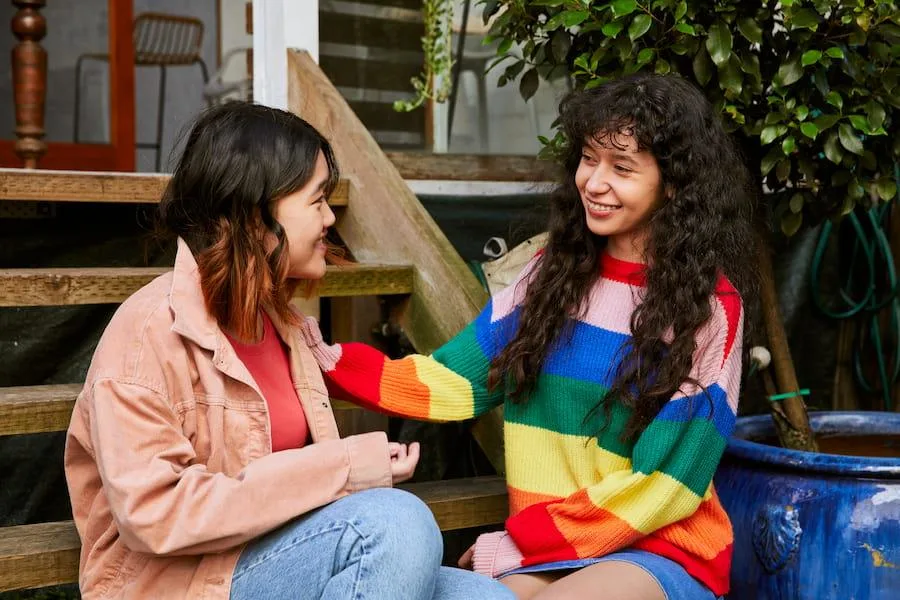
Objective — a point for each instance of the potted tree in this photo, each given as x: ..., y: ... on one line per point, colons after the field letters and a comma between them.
x: 811, y: 90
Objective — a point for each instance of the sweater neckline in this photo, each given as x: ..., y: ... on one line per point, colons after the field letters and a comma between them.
x: 632, y: 273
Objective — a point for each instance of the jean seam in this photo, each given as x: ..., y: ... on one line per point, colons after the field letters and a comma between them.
x: 335, y: 526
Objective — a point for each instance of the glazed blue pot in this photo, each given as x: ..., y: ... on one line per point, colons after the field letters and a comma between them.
x: 808, y: 525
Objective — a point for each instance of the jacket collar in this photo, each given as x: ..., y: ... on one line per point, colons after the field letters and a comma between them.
x: 192, y: 320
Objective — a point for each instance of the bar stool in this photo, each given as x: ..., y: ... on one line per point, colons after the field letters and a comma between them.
x: 160, y: 40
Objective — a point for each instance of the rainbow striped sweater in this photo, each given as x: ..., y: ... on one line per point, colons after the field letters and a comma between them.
x: 573, y: 495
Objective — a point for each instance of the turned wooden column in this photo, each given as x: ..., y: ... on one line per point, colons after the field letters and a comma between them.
x: 29, y: 69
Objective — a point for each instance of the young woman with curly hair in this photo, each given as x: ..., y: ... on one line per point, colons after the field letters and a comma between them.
x: 617, y: 355
x: 203, y: 459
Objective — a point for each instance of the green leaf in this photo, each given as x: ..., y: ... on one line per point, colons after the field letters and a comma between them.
x: 876, y: 114
x: 805, y: 18
x: 859, y: 122
x: 639, y: 26
x: 791, y: 222
x: 751, y: 30
x: 796, y: 203
x: 802, y: 112
x: 886, y: 188
x: 810, y: 57
x: 702, y: 66
x: 528, y: 85
x: 789, y: 72
x: 768, y: 135
x: 809, y: 130
x: 548, y: 2
x: 620, y: 8
x: 783, y: 169
x: 832, y: 150
x: 680, y: 10
x: 769, y: 160
x: 789, y: 145
x: 833, y: 98
x: 560, y: 45
x: 572, y: 18
x: 582, y: 62
x: 613, y: 28
x: 719, y: 43
x: 824, y: 122
x: 730, y: 76
x: 645, y: 56
x: 849, y: 139
x: 662, y: 67
x: 835, y: 52
x: 686, y: 28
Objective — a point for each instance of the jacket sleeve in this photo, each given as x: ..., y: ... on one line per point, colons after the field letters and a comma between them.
x: 449, y: 385
x: 669, y: 472
x: 164, y: 503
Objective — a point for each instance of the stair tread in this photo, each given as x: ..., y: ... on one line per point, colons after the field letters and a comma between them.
x: 45, y: 408
x: 104, y: 186
x: 104, y: 285
x: 48, y: 553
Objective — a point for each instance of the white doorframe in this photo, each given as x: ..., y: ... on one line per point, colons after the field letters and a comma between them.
x: 277, y: 26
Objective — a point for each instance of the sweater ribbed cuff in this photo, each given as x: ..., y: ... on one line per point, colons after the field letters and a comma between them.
x: 495, y: 553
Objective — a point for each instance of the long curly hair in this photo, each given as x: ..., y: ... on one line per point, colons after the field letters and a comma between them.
x: 702, y: 229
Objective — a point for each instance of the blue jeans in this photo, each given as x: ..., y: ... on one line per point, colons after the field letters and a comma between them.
x: 373, y: 545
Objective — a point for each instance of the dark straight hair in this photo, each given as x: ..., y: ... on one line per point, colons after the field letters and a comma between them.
x: 238, y: 159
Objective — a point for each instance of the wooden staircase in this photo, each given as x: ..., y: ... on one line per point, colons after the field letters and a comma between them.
x: 45, y: 554
x: 405, y: 259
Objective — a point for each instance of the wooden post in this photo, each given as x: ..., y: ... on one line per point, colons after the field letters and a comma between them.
x: 29, y: 69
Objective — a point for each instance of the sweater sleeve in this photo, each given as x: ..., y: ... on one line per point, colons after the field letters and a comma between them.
x: 449, y: 385
x: 671, y: 467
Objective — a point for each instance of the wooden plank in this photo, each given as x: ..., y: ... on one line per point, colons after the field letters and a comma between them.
x: 107, y: 285
x: 34, y: 556
x: 369, y: 74
x: 381, y: 116
x: 391, y: 224
x: 472, y: 167
x: 358, y: 30
x: 36, y: 408
x: 99, y: 186
x: 462, y: 503
x: 46, y: 408
x: 48, y: 553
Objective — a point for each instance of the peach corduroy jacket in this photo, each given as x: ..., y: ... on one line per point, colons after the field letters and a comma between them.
x: 168, y: 455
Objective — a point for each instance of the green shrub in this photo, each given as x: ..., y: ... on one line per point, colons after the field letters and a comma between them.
x: 810, y: 89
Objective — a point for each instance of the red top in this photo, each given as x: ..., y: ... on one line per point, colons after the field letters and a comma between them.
x: 269, y: 364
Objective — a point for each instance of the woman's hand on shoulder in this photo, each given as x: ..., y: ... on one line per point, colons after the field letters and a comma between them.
x: 403, y: 460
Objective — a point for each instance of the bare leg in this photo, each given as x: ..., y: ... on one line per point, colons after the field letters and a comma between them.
x: 527, y: 585
x: 612, y: 580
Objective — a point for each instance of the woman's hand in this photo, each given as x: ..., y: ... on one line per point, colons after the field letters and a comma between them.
x: 403, y: 461
x: 465, y: 561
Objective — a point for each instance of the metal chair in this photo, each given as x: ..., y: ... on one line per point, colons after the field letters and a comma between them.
x: 160, y: 40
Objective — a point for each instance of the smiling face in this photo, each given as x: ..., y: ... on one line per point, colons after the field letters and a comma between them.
x: 306, y: 216
x: 619, y: 188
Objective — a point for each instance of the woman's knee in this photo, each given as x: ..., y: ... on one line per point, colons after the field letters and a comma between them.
x: 402, y: 521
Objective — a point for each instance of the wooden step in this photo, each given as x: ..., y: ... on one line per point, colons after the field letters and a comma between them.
x: 47, y: 554
x: 105, y: 285
x: 92, y: 186
x: 46, y: 408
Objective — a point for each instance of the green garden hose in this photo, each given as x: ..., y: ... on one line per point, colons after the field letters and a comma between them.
x: 868, y: 289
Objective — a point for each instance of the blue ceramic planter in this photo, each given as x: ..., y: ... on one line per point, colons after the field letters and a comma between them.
x: 812, y: 526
